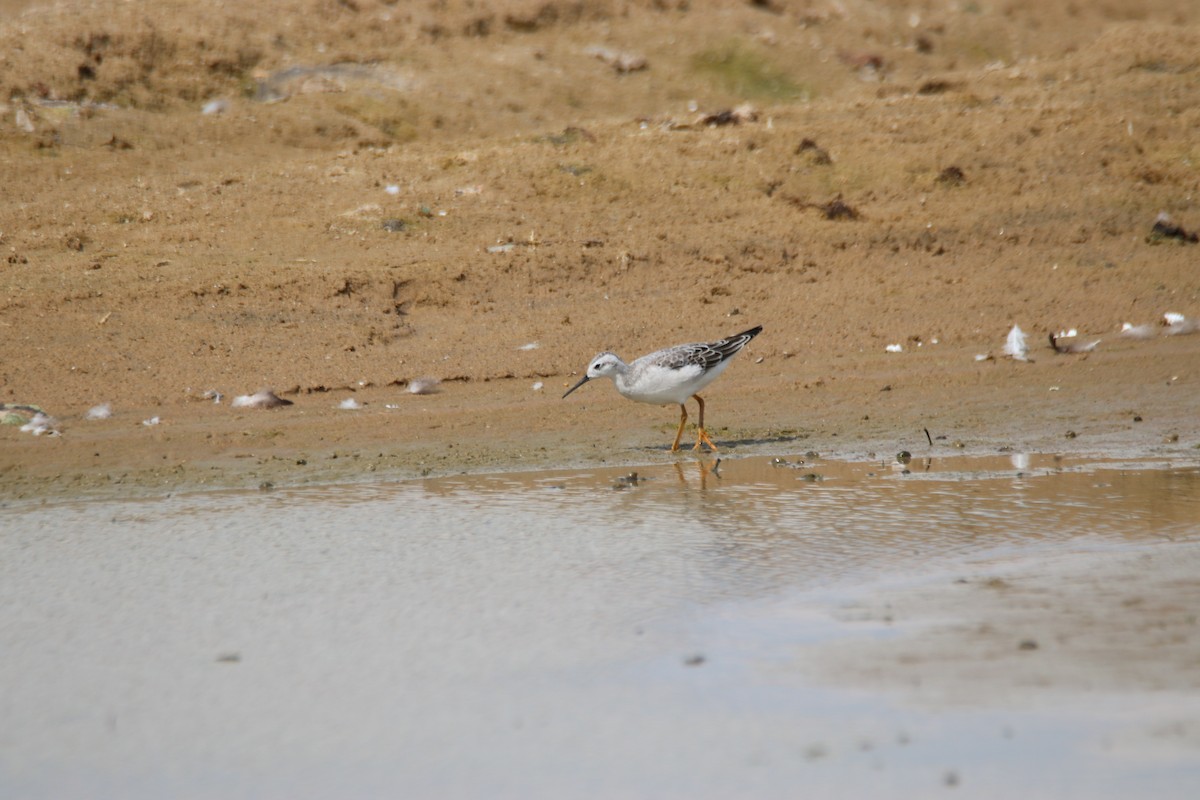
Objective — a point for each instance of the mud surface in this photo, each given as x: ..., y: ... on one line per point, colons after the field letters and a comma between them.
x: 333, y: 199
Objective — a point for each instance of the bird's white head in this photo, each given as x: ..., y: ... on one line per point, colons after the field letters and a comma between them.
x: 605, y: 365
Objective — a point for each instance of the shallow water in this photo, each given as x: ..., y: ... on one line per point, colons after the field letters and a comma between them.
x: 564, y: 634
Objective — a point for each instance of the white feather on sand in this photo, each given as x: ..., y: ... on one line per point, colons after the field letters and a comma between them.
x: 102, y: 411
x: 423, y: 386
x: 1131, y: 331
x: 263, y: 399
x: 1069, y: 342
x: 1015, y: 346
x: 41, y: 423
x: 1179, y: 325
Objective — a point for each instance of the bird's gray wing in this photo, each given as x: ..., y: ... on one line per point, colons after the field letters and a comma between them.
x: 698, y: 354
x: 705, y: 355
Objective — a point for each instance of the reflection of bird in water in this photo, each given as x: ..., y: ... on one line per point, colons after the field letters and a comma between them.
x: 671, y: 375
x: 703, y: 470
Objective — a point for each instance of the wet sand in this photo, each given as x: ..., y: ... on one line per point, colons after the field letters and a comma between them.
x: 1135, y: 398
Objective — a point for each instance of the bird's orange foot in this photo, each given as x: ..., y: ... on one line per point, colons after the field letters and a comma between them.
x: 702, y: 437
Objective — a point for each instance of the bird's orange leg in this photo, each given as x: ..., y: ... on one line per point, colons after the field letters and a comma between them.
x: 701, y: 434
x: 679, y: 433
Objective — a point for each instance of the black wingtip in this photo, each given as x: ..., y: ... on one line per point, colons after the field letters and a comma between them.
x: 750, y: 334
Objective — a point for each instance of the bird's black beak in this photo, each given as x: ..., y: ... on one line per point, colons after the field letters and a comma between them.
x: 582, y: 381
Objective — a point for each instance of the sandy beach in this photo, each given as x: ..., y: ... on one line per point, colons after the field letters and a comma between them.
x: 334, y: 200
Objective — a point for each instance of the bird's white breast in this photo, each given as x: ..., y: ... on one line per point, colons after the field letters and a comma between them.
x: 653, y: 383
